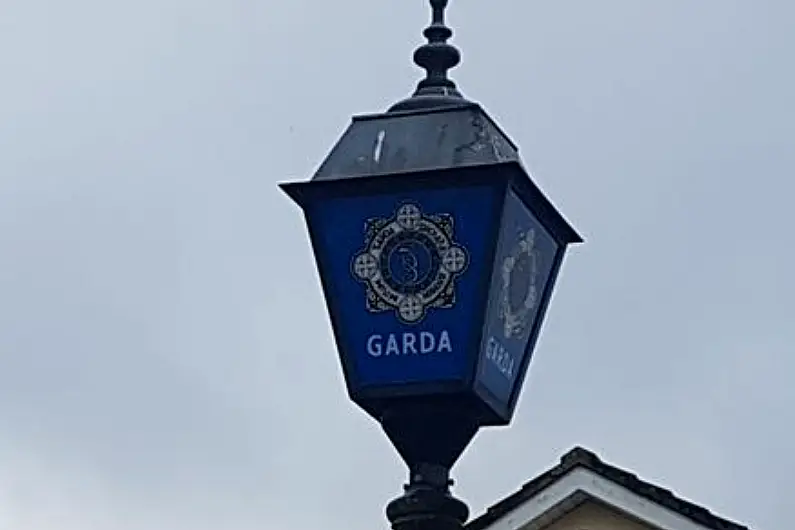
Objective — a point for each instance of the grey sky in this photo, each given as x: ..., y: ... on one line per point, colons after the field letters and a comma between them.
x: 165, y: 357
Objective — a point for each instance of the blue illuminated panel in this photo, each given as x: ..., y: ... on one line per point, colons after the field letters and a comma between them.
x: 524, y: 264
x: 403, y: 272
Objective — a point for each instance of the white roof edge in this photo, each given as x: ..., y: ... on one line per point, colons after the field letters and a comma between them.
x: 600, y: 488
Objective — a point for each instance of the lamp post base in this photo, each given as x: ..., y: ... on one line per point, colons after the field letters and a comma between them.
x: 427, y: 503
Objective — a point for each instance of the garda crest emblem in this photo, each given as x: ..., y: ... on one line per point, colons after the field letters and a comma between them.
x: 520, y: 272
x: 409, y: 263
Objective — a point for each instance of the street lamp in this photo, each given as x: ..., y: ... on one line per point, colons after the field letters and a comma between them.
x: 438, y: 255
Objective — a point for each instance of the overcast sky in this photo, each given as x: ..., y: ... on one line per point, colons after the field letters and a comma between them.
x: 166, y: 361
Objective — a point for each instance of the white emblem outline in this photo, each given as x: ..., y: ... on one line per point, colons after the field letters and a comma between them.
x: 436, y: 289
x: 516, y: 321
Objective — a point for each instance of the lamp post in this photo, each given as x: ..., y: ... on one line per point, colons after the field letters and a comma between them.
x: 437, y: 255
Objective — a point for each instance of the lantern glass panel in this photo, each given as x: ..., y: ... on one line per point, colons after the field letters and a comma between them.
x: 404, y: 273
x: 526, y: 261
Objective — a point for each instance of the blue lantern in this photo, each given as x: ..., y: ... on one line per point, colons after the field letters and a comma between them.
x: 437, y: 256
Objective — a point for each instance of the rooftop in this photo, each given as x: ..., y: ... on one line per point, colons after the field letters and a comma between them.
x: 580, y: 458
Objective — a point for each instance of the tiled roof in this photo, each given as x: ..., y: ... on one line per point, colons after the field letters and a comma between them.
x: 588, y: 460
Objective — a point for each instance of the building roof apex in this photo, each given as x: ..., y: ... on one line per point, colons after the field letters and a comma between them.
x: 580, y: 457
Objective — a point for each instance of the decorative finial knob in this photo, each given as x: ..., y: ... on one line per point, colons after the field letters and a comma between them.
x: 436, y: 57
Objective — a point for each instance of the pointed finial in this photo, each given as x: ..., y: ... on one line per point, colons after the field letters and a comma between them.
x: 436, y: 57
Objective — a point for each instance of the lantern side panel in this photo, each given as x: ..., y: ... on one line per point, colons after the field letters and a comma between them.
x: 526, y: 259
x: 404, y: 273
